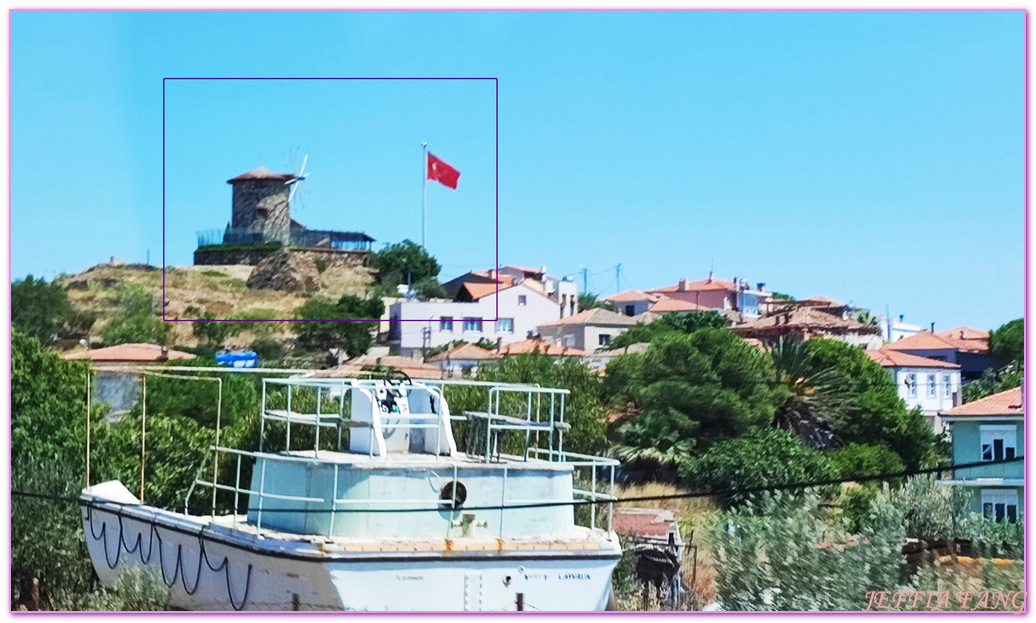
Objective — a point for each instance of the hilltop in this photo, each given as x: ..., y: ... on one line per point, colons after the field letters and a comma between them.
x: 191, y: 291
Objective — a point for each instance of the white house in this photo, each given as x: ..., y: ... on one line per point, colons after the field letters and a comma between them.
x: 897, y: 329
x: 478, y: 314
x: 561, y: 290
x: 588, y: 330
x: 930, y: 384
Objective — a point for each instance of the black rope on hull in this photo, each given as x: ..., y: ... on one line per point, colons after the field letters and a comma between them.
x: 178, y: 567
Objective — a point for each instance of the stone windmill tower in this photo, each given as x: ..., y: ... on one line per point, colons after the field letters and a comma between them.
x: 261, y: 205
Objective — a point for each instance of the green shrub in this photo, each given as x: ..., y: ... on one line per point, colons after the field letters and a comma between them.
x: 762, y: 457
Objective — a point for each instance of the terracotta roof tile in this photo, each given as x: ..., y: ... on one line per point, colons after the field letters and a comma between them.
x: 138, y: 353
x: 896, y: 359
x: 649, y: 522
x: 924, y: 340
x: 482, y: 290
x: 1004, y: 403
x: 359, y: 366
x: 699, y: 286
x: 666, y: 305
x: 466, y: 352
x: 630, y: 296
x: 531, y: 346
x: 802, y: 319
x: 593, y: 316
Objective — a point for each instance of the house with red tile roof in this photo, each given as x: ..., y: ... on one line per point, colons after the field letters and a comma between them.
x: 367, y: 365
x: 588, y: 330
x: 804, y: 323
x: 928, y: 384
x: 712, y: 293
x: 990, y: 430
x: 130, y: 354
x: 632, y: 302
x: 532, y: 345
x: 463, y: 359
x: 963, y: 346
x: 561, y: 290
x: 117, y: 372
x: 498, y: 312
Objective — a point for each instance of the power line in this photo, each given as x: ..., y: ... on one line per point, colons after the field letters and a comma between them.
x: 642, y: 498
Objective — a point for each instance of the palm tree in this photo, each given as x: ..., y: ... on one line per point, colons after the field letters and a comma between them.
x: 813, y: 395
x: 653, y: 444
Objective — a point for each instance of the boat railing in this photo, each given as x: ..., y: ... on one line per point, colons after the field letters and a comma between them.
x: 331, y: 504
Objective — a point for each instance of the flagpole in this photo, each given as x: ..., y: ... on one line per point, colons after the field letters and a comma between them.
x: 424, y: 188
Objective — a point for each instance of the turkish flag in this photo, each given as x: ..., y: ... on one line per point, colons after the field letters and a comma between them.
x: 441, y: 172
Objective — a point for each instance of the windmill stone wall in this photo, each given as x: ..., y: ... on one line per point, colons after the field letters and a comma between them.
x: 260, y: 204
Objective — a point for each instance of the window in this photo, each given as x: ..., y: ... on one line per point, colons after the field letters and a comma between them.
x: 473, y: 324
x: 931, y: 386
x: 998, y: 441
x: 521, y: 300
x: 446, y: 324
x: 947, y: 385
x: 1000, y: 504
x: 911, y: 383
x: 602, y: 339
x: 630, y: 309
x: 505, y: 325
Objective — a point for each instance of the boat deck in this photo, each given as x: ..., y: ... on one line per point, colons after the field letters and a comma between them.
x: 409, y: 460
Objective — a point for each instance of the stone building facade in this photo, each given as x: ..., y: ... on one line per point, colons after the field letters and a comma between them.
x: 260, y: 204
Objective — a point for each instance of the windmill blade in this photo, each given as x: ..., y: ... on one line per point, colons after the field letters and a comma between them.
x: 298, y: 178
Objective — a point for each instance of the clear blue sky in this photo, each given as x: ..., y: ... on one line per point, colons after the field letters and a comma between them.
x: 872, y: 156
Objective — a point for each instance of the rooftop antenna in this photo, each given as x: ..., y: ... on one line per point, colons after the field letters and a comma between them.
x: 294, y: 182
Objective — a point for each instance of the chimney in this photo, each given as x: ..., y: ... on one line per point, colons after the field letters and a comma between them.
x: 933, y: 327
x: 682, y: 286
x: 709, y: 280
x: 165, y: 354
x: 492, y: 274
x: 499, y: 344
x: 761, y: 287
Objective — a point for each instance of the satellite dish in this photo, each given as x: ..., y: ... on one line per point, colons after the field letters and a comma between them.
x: 294, y: 182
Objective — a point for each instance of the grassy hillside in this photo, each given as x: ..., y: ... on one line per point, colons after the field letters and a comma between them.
x: 191, y: 291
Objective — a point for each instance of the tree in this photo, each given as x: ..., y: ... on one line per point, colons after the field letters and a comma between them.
x: 340, y: 327
x: 589, y: 300
x: 583, y: 411
x: 872, y: 412
x: 1007, y: 343
x: 135, y: 320
x: 759, y: 458
x: 213, y: 331
x: 39, y: 309
x: 695, y: 390
x: 677, y: 322
x: 813, y: 397
x: 404, y: 262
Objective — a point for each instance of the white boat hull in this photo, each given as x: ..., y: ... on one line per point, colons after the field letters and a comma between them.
x: 211, y: 567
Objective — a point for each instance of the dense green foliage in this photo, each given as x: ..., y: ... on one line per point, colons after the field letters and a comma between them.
x: 404, y: 262
x: 872, y: 412
x: 583, y: 409
x: 813, y: 397
x: 857, y: 459
x: 787, y: 552
x: 1007, y: 343
x: 39, y: 309
x: 677, y: 322
x: 691, y: 391
x: 48, y: 456
x: 136, y: 320
x: 759, y: 458
x: 352, y: 336
x: 994, y: 381
x: 214, y: 331
x: 779, y: 553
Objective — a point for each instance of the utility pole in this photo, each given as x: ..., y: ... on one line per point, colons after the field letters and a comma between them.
x: 584, y: 280
x: 618, y: 270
